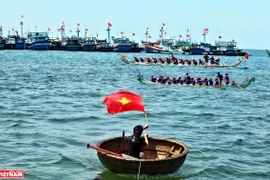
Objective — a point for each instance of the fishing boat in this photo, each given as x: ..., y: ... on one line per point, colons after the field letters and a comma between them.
x: 2, y: 43
x: 124, y: 44
x: 163, y: 156
x: 89, y: 44
x: 57, y: 44
x: 242, y: 85
x: 16, y: 42
x: 73, y: 44
x: 104, y: 46
x: 39, y: 40
x: 125, y: 60
x: 268, y: 52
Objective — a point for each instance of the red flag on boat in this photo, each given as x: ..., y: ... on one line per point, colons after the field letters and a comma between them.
x: 133, y: 34
x: 109, y: 24
x: 22, y: 16
x: 188, y: 35
x: 78, y: 24
x: 70, y: 31
x: 63, y: 23
x: 232, y: 40
x: 147, y: 29
x: 86, y: 29
x: 246, y: 55
x: 58, y: 29
x: 206, y: 30
x: 149, y: 36
x: 123, y: 101
x: 160, y: 36
x: 220, y: 37
x: 163, y: 24
x: 121, y: 32
x: 180, y: 36
x: 49, y: 29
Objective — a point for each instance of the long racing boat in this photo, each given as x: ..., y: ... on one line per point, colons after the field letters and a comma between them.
x: 161, y: 62
x: 242, y: 85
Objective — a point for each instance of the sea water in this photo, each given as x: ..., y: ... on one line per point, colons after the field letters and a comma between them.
x: 51, y: 107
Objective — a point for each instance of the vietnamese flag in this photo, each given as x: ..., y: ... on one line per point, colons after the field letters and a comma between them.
x: 109, y: 24
x: 123, y: 101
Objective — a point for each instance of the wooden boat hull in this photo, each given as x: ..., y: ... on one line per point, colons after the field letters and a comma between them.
x: 125, y: 60
x: 159, y: 159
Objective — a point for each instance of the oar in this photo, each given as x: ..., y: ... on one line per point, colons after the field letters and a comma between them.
x: 109, y: 152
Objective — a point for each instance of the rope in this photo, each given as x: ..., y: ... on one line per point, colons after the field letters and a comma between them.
x: 139, y: 170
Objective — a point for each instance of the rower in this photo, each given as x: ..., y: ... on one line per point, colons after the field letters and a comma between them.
x: 180, y: 81
x: 233, y: 83
x: 160, y: 79
x: 187, y: 78
x: 153, y: 79
x: 227, y: 79
x: 211, y: 82
x: 217, y: 82
x: 206, y: 57
x: 220, y: 77
x: 206, y: 81
x: 136, y: 59
x: 155, y: 60
x: 174, y: 81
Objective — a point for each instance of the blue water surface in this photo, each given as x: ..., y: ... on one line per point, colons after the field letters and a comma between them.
x: 51, y: 107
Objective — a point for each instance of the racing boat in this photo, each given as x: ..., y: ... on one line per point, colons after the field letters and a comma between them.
x: 184, y: 64
x: 242, y: 85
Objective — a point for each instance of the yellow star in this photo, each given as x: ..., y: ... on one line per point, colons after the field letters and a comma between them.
x: 124, y: 100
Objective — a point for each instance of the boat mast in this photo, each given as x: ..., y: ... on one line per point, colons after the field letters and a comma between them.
x: 109, y: 36
x: 22, y: 26
x: 78, y: 30
x: 146, y: 35
x: 162, y: 30
x: 62, y: 32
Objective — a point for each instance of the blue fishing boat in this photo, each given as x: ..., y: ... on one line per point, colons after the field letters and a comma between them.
x: 16, y: 42
x: 57, y: 44
x: 104, y: 46
x: 89, y: 44
x: 73, y: 44
x: 124, y: 44
x: 39, y: 40
x: 2, y: 43
x: 228, y: 48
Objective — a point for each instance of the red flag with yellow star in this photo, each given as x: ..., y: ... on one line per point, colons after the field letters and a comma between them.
x: 122, y: 101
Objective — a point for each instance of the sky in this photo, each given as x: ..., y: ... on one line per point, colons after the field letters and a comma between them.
x: 247, y: 22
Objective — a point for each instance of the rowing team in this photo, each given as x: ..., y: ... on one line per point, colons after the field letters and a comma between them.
x: 172, y: 60
x: 192, y: 81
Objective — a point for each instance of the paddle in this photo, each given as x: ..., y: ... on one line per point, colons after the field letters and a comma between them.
x: 109, y: 152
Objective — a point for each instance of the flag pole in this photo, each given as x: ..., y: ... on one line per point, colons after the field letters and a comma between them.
x: 146, y: 121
